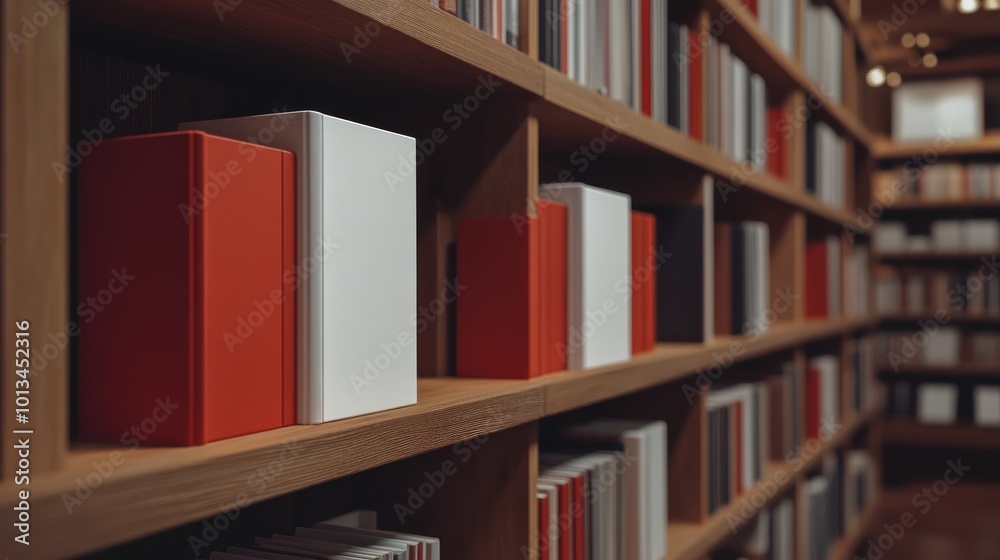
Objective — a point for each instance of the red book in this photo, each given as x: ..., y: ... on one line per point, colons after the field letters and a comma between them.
x: 643, y: 282
x: 777, y: 142
x: 738, y: 441
x: 543, y: 524
x: 191, y: 235
x: 646, y: 56
x: 565, y: 528
x: 512, y: 315
x: 695, y: 68
x: 816, y: 279
x: 812, y: 403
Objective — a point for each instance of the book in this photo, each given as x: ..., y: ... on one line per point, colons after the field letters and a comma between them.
x: 357, y: 271
x: 920, y: 110
x: 192, y: 239
x: 643, y: 282
x: 598, y: 272
x: 937, y: 403
x: 987, y: 405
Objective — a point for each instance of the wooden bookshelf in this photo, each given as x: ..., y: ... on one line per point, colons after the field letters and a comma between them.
x: 958, y: 370
x: 418, y: 62
x: 912, y: 433
x: 856, y: 534
x: 938, y: 205
x: 936, y: 256
x: 885, y: 149
x: 984, y: 320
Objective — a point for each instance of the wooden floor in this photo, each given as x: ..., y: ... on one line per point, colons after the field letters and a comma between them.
x: 963, y: 525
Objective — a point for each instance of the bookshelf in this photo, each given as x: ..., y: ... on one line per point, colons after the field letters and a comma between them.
x: 419, y: 60
x: 963, y: 436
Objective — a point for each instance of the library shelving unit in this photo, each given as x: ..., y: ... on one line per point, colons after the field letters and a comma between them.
x: 396, y: 64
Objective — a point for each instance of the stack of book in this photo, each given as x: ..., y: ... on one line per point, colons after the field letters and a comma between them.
x: 742, y: 278
x: 944, y: 235
x: 823, y: 278
x: 861, y: 357
x: 739, y: 123
x: 927, y: 292
x: 938, y: 346
x: 826, y: 170
x: 778, y: 18
x: 609, y: 502
x: 349, y: 536
x: 822, y: 396
x: 739, y: 431
x: 770, y: 536
x: 860, y: 484
x: 823, y: 59
x: 823, y: 516
x: 498, y: 18
x: 941, y: 182
x: 939, y: 403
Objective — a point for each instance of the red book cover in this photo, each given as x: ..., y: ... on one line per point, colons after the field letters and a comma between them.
x: 812, y: 403
x: 193, y: 239
x: 695, y: 68
x: 579, y: 508
x: 512, y: 315
x: 738, y: 441
x: 652, y: 264
x: 565, y: 529
x: 643, y: 282
x: 776, y: 142
x: 646, y: 56
x: 816, y: 279
x: 543, y: 524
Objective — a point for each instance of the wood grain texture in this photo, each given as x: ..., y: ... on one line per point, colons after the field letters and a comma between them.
x: 153, y: 489
x: 34, y: 245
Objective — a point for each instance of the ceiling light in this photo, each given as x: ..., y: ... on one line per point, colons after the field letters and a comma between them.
x: 908, y: 40
x: 923, y: 40
x: 930, y: 60
x: 968, y: 6
x: 875, y: 76
x: 991, y: 4
x: 893, y: 79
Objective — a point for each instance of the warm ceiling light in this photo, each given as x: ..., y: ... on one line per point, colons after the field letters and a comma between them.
x: 968, y: 6
x: 991, y: 5
x: 930, y: 60
x: 893, y: 79
x: 875, y: 76
x: 908, y: 40
x: 923, y: 40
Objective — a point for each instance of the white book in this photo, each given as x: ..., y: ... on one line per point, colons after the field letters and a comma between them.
x: 357, y: 269
x: 552, y: 492
x: 431, y: 545
x: 942, y: 348
x: 924, y: 110
x: 946, y: 235
x: 987, y: 405
x: 980, y: 235
x: 889, y: 237
x: 684, y: 87
x: 740, y: 83
x: 784, y: 519
x: 660, y: 61
x: 758, y: 126
x: 619, y: 49
x: 599, y: 267
x: 937, y: 403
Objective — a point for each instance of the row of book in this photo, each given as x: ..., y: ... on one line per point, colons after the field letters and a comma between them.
x: 351, y: 536
x: 823, y: 58
x: 826, y: 163
x: 857, y: 274
x: 823, y: 402
x: 778, y: 18
x: 928, y: 292
x: 742, y: 277
x: 941, y: 403
x: 739, y: 431
x: 939, y: 182
x: 823, y: 277
x: 769, y: 536
x: 262, y: 272
x: 933, y: 345
x: 498, y: 18
x: 941, y: 235
x: 602, y: 493
x: 864, y: 382
x: 834, y: 498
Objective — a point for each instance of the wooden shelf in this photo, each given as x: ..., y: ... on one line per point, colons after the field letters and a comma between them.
x: 912, y: 433
x: 970, y: 370
x: 762, y: 55
x: 936, y: 256
x: 188, y: 484
x: 884, y: 148
x: 954, y: 318
x: 844, y: 547
x: 935, y: 205
x: 692, y: 541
